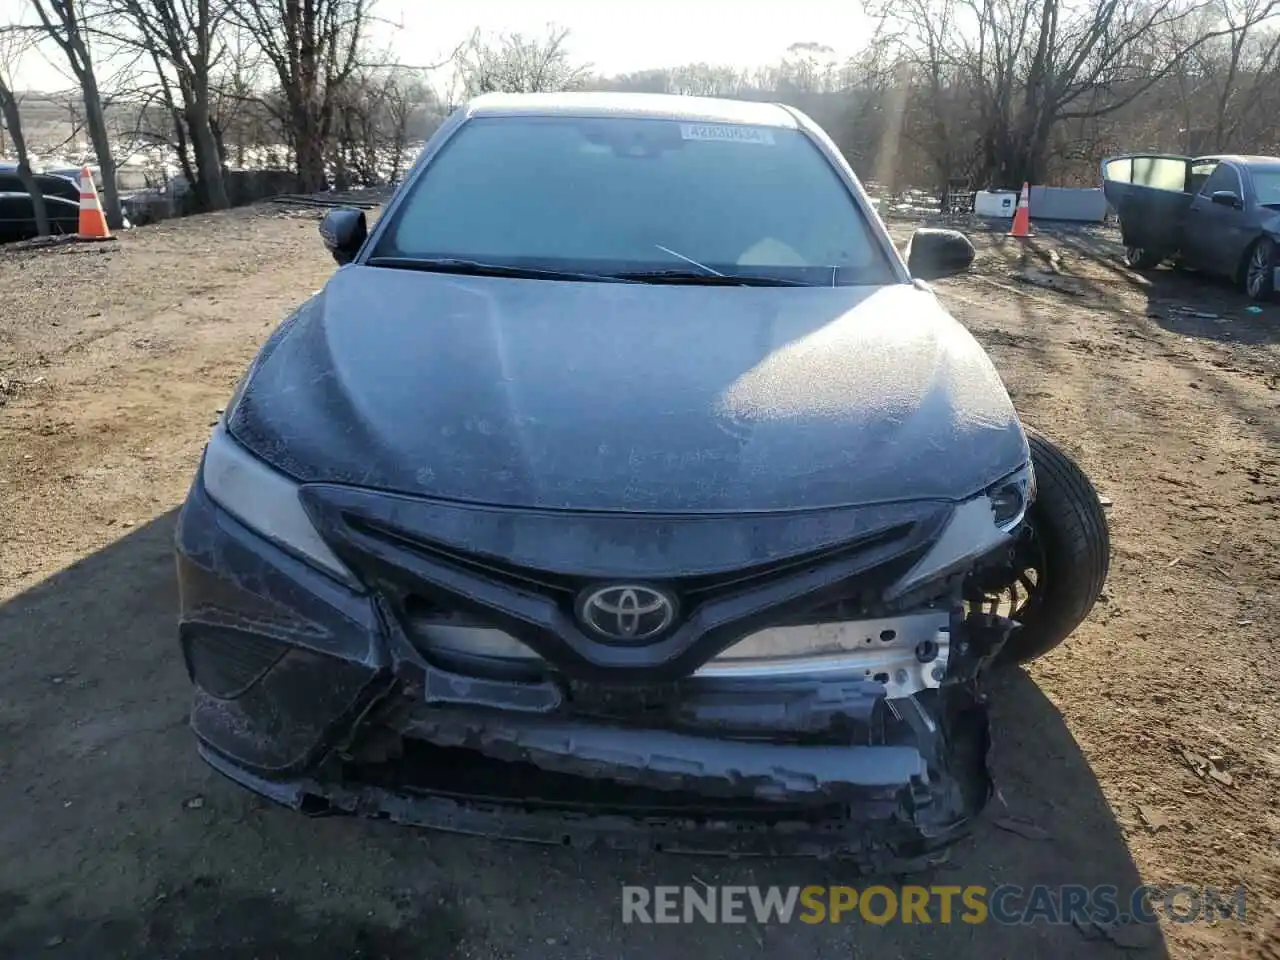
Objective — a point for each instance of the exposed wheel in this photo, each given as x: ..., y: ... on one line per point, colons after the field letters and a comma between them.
x: 1060, y: 560
x: 1260, y: 270
x: 1141, y: 258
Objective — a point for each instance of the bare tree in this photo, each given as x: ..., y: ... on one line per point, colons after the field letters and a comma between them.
x: 376, y: 111
x: 1029, y: 66
x: 64, y: 23
x: 312, y: 45
x: 706, y: 80
x: 13, y: 44
x: 514, y: 63
x: 181, y: 37
x: 1246, y: 60
x: 809, y: 67
x: 409, y: 104
x: 241, y: 119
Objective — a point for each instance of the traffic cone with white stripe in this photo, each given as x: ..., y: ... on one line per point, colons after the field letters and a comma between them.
x: 1022, y: 216
x: 93, y: 222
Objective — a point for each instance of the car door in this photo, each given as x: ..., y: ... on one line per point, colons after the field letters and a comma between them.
x: 1148, y: 191
x: 1215, y: 234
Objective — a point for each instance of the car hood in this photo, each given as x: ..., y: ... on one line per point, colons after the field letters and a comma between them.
x: 628, y: 397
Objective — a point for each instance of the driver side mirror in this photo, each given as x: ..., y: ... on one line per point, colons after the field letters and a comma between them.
x: 1226, y: 198
x: 344, y: 230
x: 934, y: 253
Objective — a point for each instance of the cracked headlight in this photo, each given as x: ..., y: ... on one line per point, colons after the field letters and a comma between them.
x: 977, y: 527
x: 267, y: 502
x: 1011, y: 497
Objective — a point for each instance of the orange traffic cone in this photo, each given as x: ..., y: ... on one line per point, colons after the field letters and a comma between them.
x: 1022, y: 216
x: 93, y: 222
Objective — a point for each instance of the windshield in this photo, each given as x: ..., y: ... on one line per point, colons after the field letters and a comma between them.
x: 613, y: 196
x: 1267, y: 185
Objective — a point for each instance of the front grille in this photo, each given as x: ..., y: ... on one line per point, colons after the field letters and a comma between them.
x: 692, y: 591
x: 542, y: 582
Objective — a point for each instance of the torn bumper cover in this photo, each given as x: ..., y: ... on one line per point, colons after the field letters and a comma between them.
x: 565, y: 781
x: 318, y: 697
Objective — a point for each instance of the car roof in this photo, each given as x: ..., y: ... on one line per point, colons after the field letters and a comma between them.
x: 662, y: 106
x: 1245, y: 160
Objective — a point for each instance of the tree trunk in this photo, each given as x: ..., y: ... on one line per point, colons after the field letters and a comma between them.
x: 203, y: 141
x: 13, y: 120
x: 208, y: 162
x: 182, y: 143
x: 1017, y: 157
x: 219, y: 142
x: 96, y: 121
x: 309, y: 151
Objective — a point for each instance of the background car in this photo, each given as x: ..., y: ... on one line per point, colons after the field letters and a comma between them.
x: 17, y: 216
x: 1219, y: 214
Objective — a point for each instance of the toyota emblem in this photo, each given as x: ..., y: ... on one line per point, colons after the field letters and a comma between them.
x: 626, y: 612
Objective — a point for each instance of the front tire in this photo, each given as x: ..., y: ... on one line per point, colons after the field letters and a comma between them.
x: 1260, y: 270
x: 1066, y: 543
x: 1141, y: 258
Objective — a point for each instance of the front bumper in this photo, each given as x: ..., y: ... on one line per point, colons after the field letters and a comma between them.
x: 315, y: 696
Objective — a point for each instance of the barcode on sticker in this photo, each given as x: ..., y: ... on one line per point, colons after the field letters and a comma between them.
x: 731, y: 132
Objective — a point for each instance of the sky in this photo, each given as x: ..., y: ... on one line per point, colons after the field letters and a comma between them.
x: 613, y: 37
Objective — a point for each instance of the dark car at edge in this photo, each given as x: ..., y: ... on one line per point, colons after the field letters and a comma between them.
x: 17, y: 206
x: 1219, y: 215
x: 626, y: 485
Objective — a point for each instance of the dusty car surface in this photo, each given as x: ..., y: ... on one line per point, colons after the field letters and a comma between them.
x: 1219, y: 215
x: 625, y: 485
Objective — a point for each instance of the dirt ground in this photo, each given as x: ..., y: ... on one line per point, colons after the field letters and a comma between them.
x: 1144, y: 750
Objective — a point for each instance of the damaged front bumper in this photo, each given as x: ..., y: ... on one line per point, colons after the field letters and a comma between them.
x: 316, y: 697
x: 563, y: 780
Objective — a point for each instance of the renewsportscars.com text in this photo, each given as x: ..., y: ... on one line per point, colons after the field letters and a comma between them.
x: 880, y: 905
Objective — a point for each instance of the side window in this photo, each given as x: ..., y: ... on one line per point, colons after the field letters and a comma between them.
x: 1224, y: 177
x: 1199, y: 174
x: 1160, y: 173
x: 1120, y: 171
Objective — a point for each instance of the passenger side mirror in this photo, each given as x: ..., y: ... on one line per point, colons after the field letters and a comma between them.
x: 1226, y: 198
x: 344, y: 230
x: 935, y: 253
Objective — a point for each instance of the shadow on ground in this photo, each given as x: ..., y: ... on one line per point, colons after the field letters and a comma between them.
x: 1180, y: 301
x: 209, y: 918
x: 117, y: 841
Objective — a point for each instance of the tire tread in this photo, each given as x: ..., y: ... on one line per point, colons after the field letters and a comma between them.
x: 1073, y: 528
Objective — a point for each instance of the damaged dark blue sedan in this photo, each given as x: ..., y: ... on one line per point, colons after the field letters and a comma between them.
x: 626, y: 485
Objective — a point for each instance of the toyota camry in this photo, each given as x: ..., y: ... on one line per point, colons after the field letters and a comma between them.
x: 625, y: 484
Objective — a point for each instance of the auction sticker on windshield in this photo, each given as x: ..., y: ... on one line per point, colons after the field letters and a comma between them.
x: 731, y: 132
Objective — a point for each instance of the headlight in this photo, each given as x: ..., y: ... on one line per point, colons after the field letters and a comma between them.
x: 267, y: 502
x: 1011, y: 497
x: 977, y: 527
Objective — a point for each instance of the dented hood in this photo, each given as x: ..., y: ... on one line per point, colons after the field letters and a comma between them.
x: 604, y: 396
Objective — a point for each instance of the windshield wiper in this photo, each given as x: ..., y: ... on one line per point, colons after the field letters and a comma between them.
x: 707, y: 279
x: 689, y: 260
x: 475, y: 268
